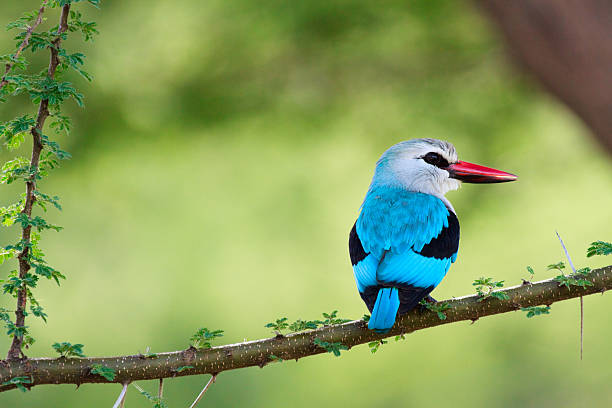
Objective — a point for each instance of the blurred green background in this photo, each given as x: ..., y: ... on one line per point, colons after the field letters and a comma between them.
x: 221, y: 159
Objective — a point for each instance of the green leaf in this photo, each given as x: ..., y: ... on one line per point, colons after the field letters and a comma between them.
x: 37, y: 222
x: 13, y: 132
x: 157, y: 401
x: 530, y: 270
x: 375, y: 345
x: 499, y: 295
x: 103, y: 371
x: 572, y: 280
x: 8, y: 215
x: 18, y: 168
x: 38, y: 311
x: 485, y: 287
x: 332, y: 319
x: 43, y: 199
x: 558, y: 266
x: 536, y: 310
x: 439, y: 308
x: 203, y: 337
x: 276, y: 358
x: 279, y: 325
x: 599, y: 248
x: 330, y: 347
x: 20, y: 382
x: 66, y: 349
x: 301, y: 325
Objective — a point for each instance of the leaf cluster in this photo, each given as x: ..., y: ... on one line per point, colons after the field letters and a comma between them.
x: 485, y: 289
x: 203, y: 338
x: 330, y: 347
x: 599, y: 248
x: 66, y: 349
x: 576, y: 279
x: 20, y: 382
x: 282, y: 324
x: 536, y: 310
x: 103, y: 371
x: 439, y: 308
x: 157, y: 402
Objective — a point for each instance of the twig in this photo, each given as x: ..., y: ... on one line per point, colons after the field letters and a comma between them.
x: 212, y: 380
x: 566, y: 253
x: 24, y: 43
x: 291, y: 346
x: 581, y: 324
x: 569, y: 259
x: 160, y: 392
x: 121, y: 397
x: 15, y: 351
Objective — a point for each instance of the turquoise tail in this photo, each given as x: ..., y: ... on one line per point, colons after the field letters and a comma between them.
x: 385, y: 310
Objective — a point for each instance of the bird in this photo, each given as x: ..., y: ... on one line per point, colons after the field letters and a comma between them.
x: 407, y: 233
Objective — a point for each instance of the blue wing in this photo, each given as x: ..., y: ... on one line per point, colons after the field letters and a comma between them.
x: 405, y: 240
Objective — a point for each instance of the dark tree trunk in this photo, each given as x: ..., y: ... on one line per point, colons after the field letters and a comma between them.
x: 567, y: 46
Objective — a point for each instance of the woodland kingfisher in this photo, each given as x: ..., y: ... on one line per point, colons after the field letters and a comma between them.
x: 407, y: 232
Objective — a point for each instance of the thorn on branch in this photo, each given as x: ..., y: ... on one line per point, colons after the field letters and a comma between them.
x: 199, y: 397
x: 121, y: 397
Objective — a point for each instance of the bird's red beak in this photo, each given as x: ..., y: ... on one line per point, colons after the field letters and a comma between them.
x: 474, y: 173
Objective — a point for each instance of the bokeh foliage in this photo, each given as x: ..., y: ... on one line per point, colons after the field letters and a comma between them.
x: 221, y: 160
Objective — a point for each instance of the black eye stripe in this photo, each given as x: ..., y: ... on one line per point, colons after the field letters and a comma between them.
x: 435, y: 159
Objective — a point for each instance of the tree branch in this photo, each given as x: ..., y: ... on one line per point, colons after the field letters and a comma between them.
x: 293, y: 346
x: 37, y: 146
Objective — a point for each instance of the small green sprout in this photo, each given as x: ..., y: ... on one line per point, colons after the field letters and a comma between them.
x: 560, y: 266
x: 148, y: 354
x: 330, y: 347
x: 276, y: 358
x: 572, y: 280
x: 158, y: 402
x: 366, y: 318
x: 182, y: 368
x: 203, y: 337
x: 375, y: 345
x: 536, y: 310
x: 103, y: 371
x: 279, y: 325
x: 599, y: 248
x: 66, y: 349
x: 20, y: 382
x: 331, y: 319
x: 301, y: 325
x: 439, y: 308
x: 485, y: 287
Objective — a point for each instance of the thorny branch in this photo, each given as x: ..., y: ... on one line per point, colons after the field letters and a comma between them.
x: 15, y: 352
x: 293, y: 346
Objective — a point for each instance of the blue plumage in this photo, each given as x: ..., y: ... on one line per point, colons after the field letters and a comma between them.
x: 393, y: 231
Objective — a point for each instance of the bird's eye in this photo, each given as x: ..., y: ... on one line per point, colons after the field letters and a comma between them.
x: 435, y: 159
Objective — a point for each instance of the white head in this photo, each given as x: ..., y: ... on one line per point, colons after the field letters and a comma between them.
x: 430, y: 166
x: 418, y: 165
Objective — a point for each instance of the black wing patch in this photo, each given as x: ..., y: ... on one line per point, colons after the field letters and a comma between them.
x: 356, y: 250
x: 409, y: 296
x: 446, y: 244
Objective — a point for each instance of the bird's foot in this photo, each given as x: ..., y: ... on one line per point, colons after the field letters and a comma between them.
x: 422, y: 306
